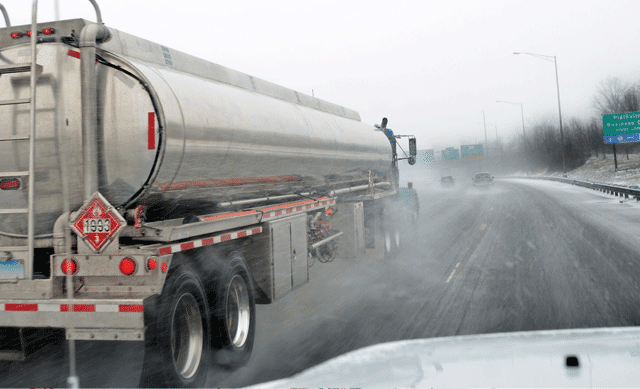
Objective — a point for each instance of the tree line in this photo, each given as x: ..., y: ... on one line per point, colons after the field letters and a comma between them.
x: 583, y: 138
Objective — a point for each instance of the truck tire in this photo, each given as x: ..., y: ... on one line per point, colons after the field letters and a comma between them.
x: 234, y: 315
x: 178, y: 335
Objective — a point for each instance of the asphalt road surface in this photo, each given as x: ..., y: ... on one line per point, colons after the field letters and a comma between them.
x: 519, y: 255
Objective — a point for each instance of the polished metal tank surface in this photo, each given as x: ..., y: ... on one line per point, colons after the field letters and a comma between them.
x: 196, y: 134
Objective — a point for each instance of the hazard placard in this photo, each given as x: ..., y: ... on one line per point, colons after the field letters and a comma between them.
x: 97, y: 222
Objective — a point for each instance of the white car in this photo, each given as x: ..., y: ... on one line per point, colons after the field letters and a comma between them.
x: 482, y: 179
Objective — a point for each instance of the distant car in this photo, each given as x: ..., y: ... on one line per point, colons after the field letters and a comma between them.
x: 482, y: 179
x: 447, y: 180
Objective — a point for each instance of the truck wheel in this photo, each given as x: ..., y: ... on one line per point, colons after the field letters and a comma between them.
x: 234, y: 316
x: 177, y: 339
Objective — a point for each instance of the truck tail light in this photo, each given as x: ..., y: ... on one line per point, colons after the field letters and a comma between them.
x: 152, y: 263
x: 10, y: 184
x: 69, y: 266
x: 48, y: 31
x: 16, y: 35
x: 128, y: 266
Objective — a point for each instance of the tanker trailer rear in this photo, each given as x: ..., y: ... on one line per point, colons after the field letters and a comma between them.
x: 172, y: 193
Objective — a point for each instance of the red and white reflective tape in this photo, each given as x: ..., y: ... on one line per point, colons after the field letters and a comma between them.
x: 291, y: 208
x: 98, y: 308
x: 176, y: 248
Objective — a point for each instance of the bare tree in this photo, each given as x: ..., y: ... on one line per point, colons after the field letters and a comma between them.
x: 596, y: 137
x: 610, y: 96
x: 630, y: 99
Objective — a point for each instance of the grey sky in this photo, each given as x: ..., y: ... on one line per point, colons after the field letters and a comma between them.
x: 431, y: 67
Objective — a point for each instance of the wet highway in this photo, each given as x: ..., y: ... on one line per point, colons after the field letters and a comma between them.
x: 519, y: 255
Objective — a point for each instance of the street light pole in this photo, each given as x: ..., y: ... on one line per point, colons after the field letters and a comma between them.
x: 485, y: 134
x: 564, y: 166
x: 548, y: 58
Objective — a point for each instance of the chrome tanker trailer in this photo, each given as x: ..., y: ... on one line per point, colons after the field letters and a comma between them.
x: 148, y: 195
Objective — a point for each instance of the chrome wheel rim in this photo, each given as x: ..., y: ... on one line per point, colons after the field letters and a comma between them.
x: 238, y: 311
x: 186, y: 336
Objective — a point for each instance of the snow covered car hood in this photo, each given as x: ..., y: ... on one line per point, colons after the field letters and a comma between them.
x: 606, y: 356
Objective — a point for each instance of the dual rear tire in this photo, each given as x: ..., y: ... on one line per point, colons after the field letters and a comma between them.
x: 233, y: 324
x: 177, y: 336
x: 187, y: 326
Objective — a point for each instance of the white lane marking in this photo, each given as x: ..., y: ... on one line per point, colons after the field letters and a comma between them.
x: 451, y: 276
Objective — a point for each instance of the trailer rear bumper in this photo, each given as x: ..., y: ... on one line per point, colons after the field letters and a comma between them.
x: 84, y: 319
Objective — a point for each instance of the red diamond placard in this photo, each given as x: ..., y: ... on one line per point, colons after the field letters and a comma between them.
x: 97, y: 222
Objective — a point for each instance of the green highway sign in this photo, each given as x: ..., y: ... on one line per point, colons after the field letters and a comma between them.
x: 472, y: 152
x: 426, y: 156
x: 621, y: 127
x: 450, y: 154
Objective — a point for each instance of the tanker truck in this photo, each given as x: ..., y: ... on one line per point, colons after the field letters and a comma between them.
x: 151, y: 196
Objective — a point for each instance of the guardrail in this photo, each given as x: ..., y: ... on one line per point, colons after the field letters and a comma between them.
x: 616, y: 190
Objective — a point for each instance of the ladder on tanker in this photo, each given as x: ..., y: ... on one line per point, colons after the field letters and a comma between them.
x: 33, y: 69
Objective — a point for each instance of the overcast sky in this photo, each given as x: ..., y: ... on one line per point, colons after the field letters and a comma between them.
x: 430, y: 67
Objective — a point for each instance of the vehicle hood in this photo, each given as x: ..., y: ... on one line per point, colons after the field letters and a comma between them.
x: 607, y: 357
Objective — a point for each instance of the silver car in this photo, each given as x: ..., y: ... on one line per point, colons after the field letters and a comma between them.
x: 482, y: 179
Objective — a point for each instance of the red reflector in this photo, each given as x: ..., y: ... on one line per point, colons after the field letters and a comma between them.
x: 48, y: 31
x: 128, y: 266
x: 78, y: 308
x: 130, y: 308
x: 151, y: 136
x: 152, y: 264
x: 73, y: 53
x: 10, y: 184
x: 69, y: 266
x: 83, y: 308
x: 21, y: 307
x: 29, y: 33
x: 164, y: 267
x: 16, y: 34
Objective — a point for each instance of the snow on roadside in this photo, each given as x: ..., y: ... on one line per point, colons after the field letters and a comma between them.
x: 602, y: 170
